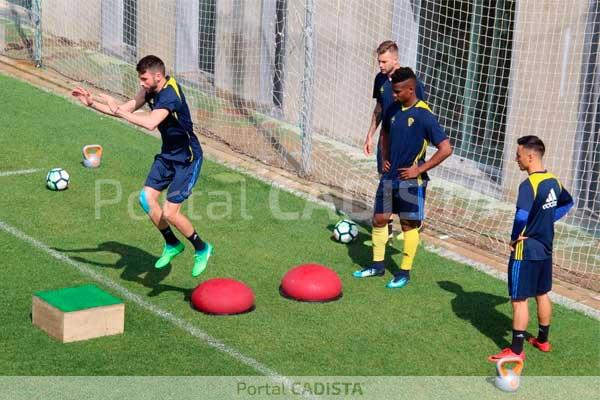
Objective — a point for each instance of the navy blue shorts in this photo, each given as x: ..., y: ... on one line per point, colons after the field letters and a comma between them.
x: 407, y: 199
x: 179, y: 176
x: 529, y: 278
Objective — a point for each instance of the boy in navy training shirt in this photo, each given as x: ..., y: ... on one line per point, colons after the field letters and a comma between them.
x: 178, y: 165
x: 388, y: 61
x: 408, y: 128
x: 541, y: 202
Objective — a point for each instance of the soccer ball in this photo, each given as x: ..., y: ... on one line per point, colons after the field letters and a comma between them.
x: 57, y: 179
x: 345, y: 231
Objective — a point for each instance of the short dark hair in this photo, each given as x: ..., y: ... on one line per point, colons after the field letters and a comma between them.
x: 388, y: 45
x: 150, y: 63
x: 402, y: 74
x: 531, y: 142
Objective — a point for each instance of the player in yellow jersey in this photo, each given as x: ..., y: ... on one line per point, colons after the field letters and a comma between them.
x: 408, y: 128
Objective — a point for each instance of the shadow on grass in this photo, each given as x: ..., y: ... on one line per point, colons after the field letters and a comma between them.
x: 479, y: 308
x: 360, y: 251
x: 137, y: 266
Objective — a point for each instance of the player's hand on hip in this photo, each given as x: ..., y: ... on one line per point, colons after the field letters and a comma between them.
x: 409, y: 173
x: 514, y: 242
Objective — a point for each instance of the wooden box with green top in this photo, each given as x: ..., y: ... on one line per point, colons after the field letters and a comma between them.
x: 78, y: 313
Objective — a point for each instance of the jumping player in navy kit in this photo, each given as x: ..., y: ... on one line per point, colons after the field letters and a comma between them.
x: 176, y: 168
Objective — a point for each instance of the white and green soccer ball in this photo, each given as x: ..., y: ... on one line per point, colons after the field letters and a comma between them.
x: 57, y: 179
x: 345, y: 231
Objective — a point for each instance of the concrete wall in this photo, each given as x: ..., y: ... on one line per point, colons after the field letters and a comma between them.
x: 347, y: 36
x: 545, y: 72
x: 157, y: 29
x: 544, y: 88
x: 238, y: 48
x: 76, y: 21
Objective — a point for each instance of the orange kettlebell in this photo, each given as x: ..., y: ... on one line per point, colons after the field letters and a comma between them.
x: 92, y: 155
x: 508, y: 379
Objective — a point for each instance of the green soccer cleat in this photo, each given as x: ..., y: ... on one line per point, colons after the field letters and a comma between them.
x: 169, y: 253
x: 201, y: 259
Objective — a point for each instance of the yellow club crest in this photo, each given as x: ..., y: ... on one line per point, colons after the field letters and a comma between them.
x: 411, y: 121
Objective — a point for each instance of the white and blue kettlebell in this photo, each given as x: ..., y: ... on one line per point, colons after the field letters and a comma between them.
x: 508, y: 379
x: 92, y: 155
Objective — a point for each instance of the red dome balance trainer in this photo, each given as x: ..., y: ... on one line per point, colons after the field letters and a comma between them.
x: 311, y: 282
x: 223, y: 296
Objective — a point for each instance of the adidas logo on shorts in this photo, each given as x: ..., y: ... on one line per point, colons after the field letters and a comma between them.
x: 550, y: 200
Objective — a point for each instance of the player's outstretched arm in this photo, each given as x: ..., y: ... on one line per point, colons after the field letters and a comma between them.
x: 136, y: 103
x: 149, y: 121
x: 89, y: 100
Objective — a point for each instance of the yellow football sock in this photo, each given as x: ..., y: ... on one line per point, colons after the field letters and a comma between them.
x: 380, y: 238
x: 411, y: 242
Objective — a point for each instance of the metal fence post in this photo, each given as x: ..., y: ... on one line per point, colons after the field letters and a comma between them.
x: 36, y: 11
x: 307, y: 89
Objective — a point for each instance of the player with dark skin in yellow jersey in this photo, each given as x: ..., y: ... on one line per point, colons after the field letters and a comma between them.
x: 408, y: 128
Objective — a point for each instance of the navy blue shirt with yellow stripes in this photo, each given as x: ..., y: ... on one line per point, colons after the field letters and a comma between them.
x: 410, y: 131
x: 541, y: 201
x: 179, y: 142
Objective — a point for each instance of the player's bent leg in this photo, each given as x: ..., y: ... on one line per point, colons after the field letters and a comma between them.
x: 173, y: 247
x: 172, y: 214
x: 148, y: 200
x: 202, y: 250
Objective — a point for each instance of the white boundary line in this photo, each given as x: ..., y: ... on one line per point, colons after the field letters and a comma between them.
x: 20, y: 172
x: 196, y: 332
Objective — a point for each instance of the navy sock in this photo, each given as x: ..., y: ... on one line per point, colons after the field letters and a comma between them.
x: 402, y: 273
x: 196, y: 242
x: 517, y: 341
x: 543, y: 333
x: 378, y: 265
x: 169, y: 236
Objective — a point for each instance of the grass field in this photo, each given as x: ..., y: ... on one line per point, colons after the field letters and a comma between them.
x: 444, y: 323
